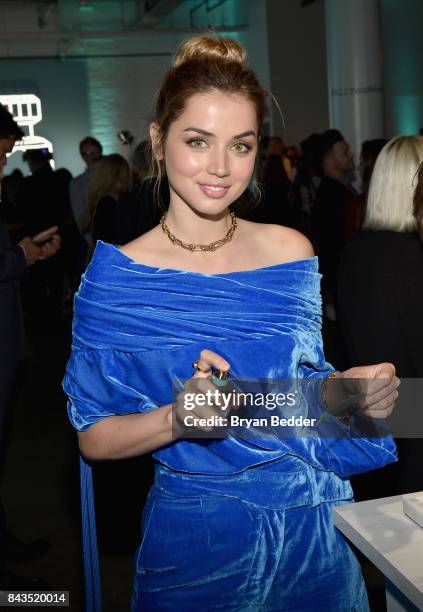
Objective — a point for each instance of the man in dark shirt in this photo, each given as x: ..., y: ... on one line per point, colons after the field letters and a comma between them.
x: 333, y: 193
x: 41, y: 199
x: 43, y: 204
x: 14, y: 261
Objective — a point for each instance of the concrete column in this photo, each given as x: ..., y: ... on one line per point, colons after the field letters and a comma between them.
x: 355, y: 69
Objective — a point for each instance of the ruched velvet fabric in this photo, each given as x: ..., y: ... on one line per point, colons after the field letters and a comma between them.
x: 138, y: 328
x: 239, y: 543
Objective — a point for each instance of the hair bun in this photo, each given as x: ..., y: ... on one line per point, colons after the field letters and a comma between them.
x: 210, y: 48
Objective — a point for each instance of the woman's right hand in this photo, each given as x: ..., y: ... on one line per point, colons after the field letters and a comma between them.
x: 194, y: 389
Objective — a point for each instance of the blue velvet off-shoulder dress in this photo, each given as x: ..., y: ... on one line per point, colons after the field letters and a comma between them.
x: 230, y: 524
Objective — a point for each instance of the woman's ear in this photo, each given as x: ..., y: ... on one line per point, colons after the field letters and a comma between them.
x: 156, y: 141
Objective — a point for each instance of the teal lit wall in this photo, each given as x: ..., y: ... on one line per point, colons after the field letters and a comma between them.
x: 211, y: 14
x: 120, y: 96
x: 62, y: 88
x: 113, y: 84
x: 121, y: 90
x: 403, y: 65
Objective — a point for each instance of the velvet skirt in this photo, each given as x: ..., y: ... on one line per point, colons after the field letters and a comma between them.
x: 263, y: 540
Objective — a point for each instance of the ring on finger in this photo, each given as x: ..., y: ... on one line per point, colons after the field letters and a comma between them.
x: 197, y: 367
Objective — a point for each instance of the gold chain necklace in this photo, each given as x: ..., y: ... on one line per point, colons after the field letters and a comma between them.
x: 200, y: 247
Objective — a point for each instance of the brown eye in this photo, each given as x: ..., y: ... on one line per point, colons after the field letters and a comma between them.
x: 242, y: 147
x: 197, y: 143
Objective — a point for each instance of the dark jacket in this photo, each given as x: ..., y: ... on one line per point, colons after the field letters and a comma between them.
x: 44, y: 201
x: 328, y: 220
x: 380, y: 306
x: 380, y: 300
x: 134, y: 214
x: 12, y: 268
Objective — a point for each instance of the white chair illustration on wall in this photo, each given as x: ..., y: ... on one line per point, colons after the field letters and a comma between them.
x: 26, y: 111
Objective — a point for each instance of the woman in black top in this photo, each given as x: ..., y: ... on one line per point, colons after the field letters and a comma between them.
x: 109, y: 180
x: 380, y: 294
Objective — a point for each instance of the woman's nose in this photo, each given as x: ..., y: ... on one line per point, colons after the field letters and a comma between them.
x: 218, y: 163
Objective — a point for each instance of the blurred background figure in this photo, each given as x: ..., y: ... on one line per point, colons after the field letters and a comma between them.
x: 333, y: 194
x: 293, y: 155
x: 108, y: 182
x: 276, y: 176
x: 91, y: 151
x: 306, y: 184
x: 334, y: 191
x: 381, y: 293
x: 43, y: 196
x: 140, y: 163
x: 14, y: 262
x: 10, y: 209
x: 418, y: 201
x: 370, y: 150
x: 142, y: 208
x: 71, y: 239
x: 355, y: 207
x: 276, y: 146
x: 44, y: 202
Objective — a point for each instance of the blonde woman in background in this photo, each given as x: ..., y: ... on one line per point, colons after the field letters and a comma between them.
x: 108, y: 182
x: 418, y: 202
x: 381, y: 295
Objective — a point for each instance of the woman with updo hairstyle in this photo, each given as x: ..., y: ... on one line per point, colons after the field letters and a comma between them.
x: 240, y: 515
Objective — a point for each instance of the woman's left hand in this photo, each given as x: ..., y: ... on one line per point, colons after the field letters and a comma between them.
x: 378, y: 382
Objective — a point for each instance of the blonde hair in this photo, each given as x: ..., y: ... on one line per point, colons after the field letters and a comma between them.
x: 391, y: 191
x: 109, y: 176
x: 418, y: 201
x: 200, y: 65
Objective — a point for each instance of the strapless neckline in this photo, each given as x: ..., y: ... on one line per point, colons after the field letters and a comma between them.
x: 309, y: 261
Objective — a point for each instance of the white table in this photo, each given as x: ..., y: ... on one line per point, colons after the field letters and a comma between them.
x: 392, y: 542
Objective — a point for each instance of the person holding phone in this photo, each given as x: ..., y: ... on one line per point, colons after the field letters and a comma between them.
x: 14, y: 261
x: 230, y: 523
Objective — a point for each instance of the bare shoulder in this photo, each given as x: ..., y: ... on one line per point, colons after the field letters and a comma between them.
x: 279, y: 242
x: 143, y: 248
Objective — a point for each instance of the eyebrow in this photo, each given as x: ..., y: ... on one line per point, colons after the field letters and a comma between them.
x: 205, y: 133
